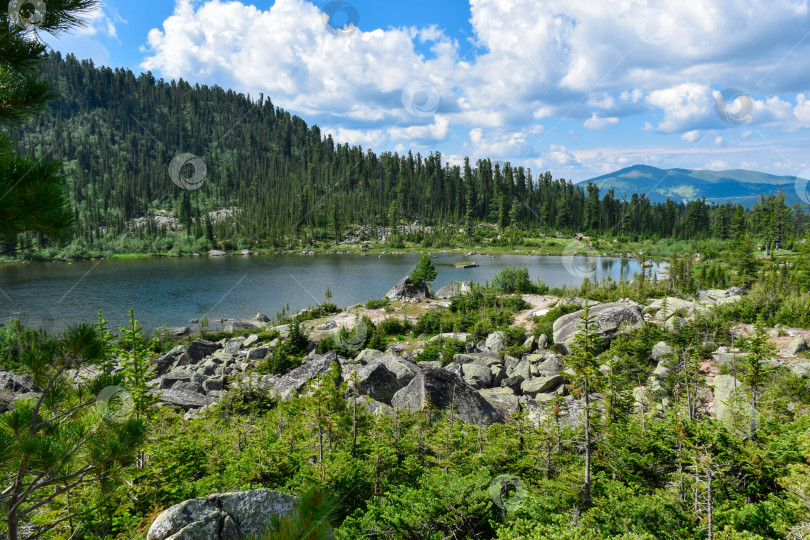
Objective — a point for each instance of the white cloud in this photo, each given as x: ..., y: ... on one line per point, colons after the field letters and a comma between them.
x: 560, y: 155
x: 540, y: 61
x: 718, y: 140
x: 802, y: 110
x: 367, y: 138
x: 683, y: 106
x: 594, y: 122
x: 430, y: 133
x: 502, y: 144
x: 716, y: 165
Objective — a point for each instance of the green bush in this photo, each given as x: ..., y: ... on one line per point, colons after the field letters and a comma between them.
x: 391, y: 326
x: 377, y: 303
x: 428, y: 323
x: 513, y: 280
x: 441, y: 349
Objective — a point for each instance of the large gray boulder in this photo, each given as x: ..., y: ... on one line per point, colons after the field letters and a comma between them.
x: 800, y: 370
x: 552, y: 365
x: 538, y: 385
x: 660, y: 350
x: 610, y: 320
x: 183, y: 399
x: 458, y: 336
x: 377, y: 382
x: 455, y: 288
x: 294, y: 381
x: 496, y: 341
x: 503, y: 399
x: 165, y: 362
x: 200, y: 348
x: 443, y: 389
x: 404, y: 369
x: 243, y: 324
x: 796, y: 346
x: 369, y: 356
x: 476, y: 375
x: 732, y: 407
x: 224, y: 516
x: 659, y: 376
x: 405, y: 289
x: 14, y: 388
x: 484, y: 359
x: 576, y: 301
x: 15, y: 383
x: 664, y: 308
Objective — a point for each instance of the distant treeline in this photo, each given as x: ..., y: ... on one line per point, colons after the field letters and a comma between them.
x: 117, y: 133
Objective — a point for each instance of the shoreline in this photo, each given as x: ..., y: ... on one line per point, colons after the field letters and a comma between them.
x: 544, y: 251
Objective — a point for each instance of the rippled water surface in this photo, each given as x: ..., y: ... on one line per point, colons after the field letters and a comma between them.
x: 173, y: 291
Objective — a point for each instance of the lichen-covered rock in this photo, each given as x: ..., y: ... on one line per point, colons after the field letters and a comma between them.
x: 483, y: 359
x: 731, y: 405
x: 496, y: 341
x: 403, y: 368
x: 539, y: 385
x: 502, y: 399
x: 797, y: 345
x: 377, y: 382
x: 610, y: 320
x: 257, y: 353
x: 443, y: 389
x: 184, y: 399
x: 660, y: 350
x: 476, y: 375
x: 455, y: 288
x: 296, y: 380
x: 200, y: 348
x: 368, y: 356
x: 405, y: 290
x: 552, y: 365
x: 224, y: 516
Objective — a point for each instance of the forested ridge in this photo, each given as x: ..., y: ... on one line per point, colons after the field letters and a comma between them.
x: 116, y: 134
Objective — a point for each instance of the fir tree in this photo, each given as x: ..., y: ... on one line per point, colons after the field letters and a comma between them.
x: 424, y: 272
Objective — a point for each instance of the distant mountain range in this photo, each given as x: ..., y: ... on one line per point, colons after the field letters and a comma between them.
x: 736, y: 186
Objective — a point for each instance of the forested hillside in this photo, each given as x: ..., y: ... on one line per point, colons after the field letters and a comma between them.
x: 117, y: 134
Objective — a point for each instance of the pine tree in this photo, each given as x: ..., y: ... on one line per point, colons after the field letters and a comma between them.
x: 424, y: 272
x: 59, y: 442
x: 138, y: 367
x: 32, y: 196
x: 755, y: 369
x: 586, y: 379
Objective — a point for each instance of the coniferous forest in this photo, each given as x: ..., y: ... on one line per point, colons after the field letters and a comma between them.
x: 284, y: 184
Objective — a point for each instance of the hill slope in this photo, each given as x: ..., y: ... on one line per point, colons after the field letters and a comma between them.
x: 277, y: 182
x: 737, y: 186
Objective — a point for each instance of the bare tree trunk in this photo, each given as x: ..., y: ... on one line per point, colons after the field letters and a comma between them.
x: 709, y: 481
x: 12, y: 523
x: 587, y: 447
x: 354, y: 425
x: 681, y: 486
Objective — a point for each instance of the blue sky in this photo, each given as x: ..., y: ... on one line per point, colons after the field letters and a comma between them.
x: 580, y: 88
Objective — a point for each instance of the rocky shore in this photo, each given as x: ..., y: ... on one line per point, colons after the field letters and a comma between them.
x: 482, y: 385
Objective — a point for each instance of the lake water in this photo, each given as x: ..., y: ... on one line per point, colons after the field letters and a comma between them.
x: 172, y: 291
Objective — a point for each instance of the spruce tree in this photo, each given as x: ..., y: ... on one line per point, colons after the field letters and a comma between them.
x: 424, y: 272
x: 582, y: 361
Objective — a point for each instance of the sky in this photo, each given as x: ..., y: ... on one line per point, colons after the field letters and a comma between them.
x: 580, y: 88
